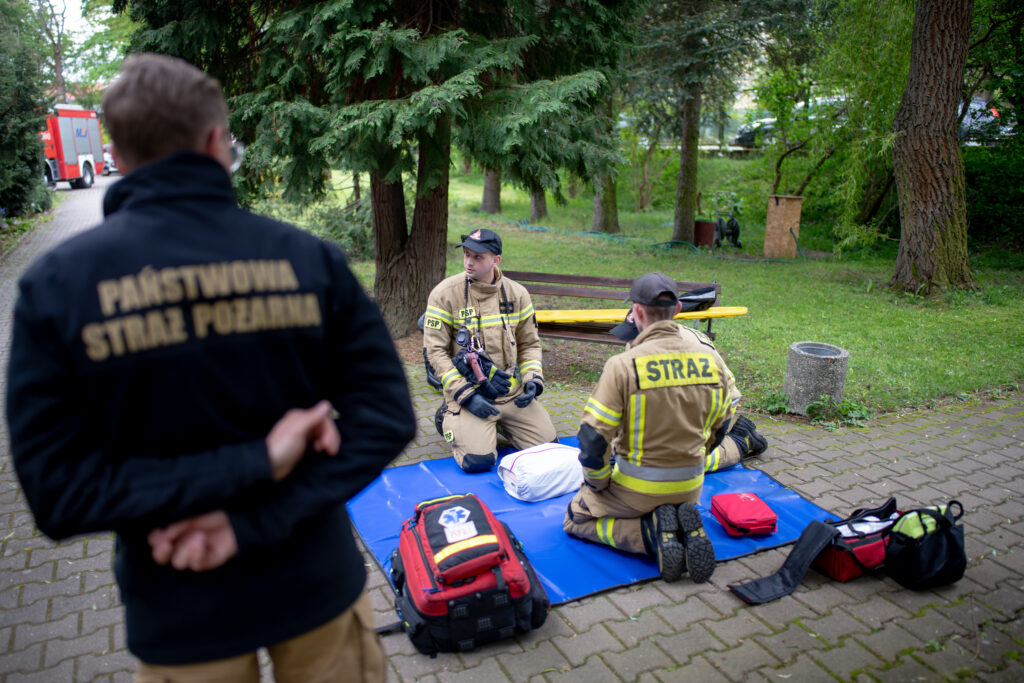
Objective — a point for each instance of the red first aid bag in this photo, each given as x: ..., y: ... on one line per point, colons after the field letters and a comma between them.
x: 860, y: 544
x: 743, y: 514
x: 462, y: 579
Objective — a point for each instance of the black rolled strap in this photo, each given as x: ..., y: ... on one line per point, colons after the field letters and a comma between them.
x: 815, y: 538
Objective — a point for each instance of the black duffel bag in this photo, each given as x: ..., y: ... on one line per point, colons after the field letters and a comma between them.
x: 926, y: 547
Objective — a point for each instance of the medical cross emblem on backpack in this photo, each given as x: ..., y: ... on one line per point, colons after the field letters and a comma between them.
x: 453, y: 516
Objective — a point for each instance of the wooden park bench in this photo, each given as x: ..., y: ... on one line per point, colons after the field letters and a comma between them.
x: 593, y: 324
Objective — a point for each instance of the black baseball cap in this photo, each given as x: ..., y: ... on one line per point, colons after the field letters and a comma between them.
x: 654, y: 289
x: 480, y: 241
x: 627, y: 329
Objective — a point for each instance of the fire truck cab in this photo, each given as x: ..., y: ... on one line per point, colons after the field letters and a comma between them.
x: 73, y: 146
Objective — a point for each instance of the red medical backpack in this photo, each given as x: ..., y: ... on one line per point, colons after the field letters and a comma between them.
x: 461, y: 578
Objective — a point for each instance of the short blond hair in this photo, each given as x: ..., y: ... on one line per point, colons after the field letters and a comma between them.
x: 159, y: 105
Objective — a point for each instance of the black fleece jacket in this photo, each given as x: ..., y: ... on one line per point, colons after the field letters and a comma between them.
x: 150, y: 357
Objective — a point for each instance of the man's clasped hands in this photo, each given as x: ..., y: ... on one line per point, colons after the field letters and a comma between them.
x: 208, y: 540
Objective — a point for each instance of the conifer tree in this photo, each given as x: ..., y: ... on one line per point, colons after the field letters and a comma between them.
x: 685, y: 46
x: 386, y: 88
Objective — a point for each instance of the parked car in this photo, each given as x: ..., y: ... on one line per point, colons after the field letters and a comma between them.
x: 109, y: 165
x: 755, y: 134
x: 982, y: 124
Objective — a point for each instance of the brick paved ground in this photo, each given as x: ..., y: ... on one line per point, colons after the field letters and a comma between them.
x: 60, y: 619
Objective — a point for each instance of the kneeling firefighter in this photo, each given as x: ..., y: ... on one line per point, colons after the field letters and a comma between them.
x: 479, y: 317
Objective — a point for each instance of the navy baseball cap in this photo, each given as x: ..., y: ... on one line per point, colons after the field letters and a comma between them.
x: 480, y: 241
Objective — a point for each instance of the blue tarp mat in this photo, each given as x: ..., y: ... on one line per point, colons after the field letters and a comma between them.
x: 568, y: 567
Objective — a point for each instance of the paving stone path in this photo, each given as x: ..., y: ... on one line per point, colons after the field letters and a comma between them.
x: 60, y: 619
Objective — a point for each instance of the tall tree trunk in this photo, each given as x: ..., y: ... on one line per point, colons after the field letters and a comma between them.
x: 59, y: 84
x: 926, y: 155
x: 645, y: 190
x: 686, y: 188
x: 606, y: 206
x: 356, y: 191
x: 491, y: 202
x: 574, y: 187
x: 410, y: 262
x: 597, y: 223
x: 467, y: 165
x: 538, y: 205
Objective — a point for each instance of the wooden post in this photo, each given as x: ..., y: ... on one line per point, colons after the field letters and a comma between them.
x: 783, y: 215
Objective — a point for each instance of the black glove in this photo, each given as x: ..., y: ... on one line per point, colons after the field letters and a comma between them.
x: 498, y: 382
x: 479, y: 406
x: 531, y: 390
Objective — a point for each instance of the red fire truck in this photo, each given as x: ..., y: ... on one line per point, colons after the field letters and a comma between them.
x: 73, y: 145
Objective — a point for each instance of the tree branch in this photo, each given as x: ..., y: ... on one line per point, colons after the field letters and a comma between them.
x: 807, y: 179
x: 778, y: 164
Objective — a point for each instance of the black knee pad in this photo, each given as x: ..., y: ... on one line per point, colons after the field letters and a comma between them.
x: 592, y: 447
x: 476, y: 462
x: 439, y: 419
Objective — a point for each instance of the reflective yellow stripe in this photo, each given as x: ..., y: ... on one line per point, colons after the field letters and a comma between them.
x: 636, y: 428
x: 450, y: 376
x: 656, y: 487
x: 442, y: 314
x: 450, y: 550
x: 604, y: 530
x: 522, y: 315
x: 710, y: 418
x: 711, y: 462
x: 602, y: 473
x: 602, y: 413
x: 529, y: 365
x: 424, y: 503
x: 490, y: 320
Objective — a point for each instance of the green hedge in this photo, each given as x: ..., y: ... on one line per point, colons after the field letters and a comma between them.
x: 995, y: 194
x: 22, y: 190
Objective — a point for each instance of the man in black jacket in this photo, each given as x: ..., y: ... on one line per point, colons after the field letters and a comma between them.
x: 174, y: 375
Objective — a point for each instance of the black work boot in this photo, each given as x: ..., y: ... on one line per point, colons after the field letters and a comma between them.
x: 661, y: 539
x: 745, y: 434
x: 700, y: 554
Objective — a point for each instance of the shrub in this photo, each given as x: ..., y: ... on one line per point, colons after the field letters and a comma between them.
x: 995, y: 194
x: 349, y: 226
x: 22, y: 189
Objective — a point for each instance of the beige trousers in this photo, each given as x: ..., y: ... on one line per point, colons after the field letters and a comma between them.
x: 344, y: 649
x: 612, y: 516
x: 476, y: 438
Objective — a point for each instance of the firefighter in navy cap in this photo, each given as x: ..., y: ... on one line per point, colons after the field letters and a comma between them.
x: 658, y: 410
x: 480, y: 339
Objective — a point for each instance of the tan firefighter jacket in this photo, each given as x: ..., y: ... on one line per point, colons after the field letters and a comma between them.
x: 499, y: 316
x: 659, y: 405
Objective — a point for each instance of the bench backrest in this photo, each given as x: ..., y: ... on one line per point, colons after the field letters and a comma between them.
x: 590, y: 286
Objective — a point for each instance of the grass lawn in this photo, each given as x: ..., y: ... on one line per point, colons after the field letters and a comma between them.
x: 905, y: 351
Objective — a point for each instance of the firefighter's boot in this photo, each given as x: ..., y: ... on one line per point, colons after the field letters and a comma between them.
x: 661, y: 539
x: 700, y: 554
x: 745, y: 434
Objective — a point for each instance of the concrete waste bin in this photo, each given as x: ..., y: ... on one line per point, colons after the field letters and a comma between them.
x: 814, y: 370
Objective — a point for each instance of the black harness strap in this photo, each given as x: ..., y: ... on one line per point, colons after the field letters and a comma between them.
x: 815, y: 538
